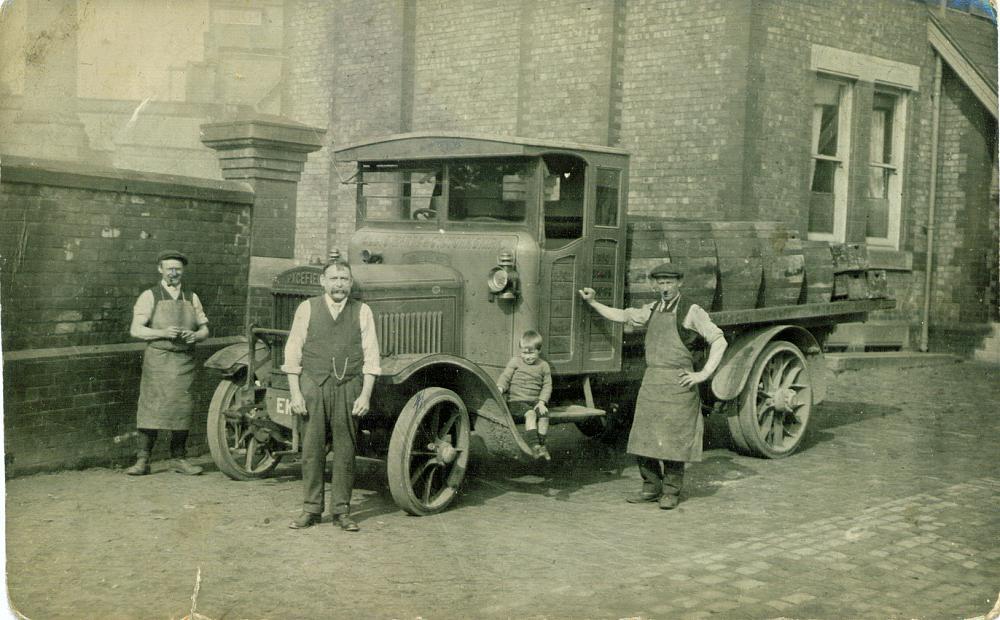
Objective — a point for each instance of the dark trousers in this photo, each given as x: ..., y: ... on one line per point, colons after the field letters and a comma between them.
x: 666, y: 477
x: 328, y: 409
x: 178, y: 443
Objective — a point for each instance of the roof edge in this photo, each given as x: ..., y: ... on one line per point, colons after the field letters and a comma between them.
x: 520, y: 141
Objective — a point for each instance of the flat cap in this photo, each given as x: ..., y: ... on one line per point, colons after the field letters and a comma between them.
x: 171, y: 254
x: 666, y: 270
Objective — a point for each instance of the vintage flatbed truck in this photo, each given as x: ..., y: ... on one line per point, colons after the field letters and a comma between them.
x: 462, y: 243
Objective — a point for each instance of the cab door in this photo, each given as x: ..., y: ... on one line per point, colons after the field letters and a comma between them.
x: 582, y: 245
x: 601, y: 347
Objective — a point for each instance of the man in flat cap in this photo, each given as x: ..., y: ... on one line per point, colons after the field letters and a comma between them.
x: 667, y: 428
x: 171, y: 321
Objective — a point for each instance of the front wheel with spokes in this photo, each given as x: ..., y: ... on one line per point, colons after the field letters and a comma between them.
x: 234, y: 444
x: 774, y: 408
x: 429, y: 451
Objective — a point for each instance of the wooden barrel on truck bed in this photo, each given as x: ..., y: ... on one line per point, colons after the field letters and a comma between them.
x: 784, y: 265
x: 689, y: 244
x: 740, y: 264
x: 819, y: 271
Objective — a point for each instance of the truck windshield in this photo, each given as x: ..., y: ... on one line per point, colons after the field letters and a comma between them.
x: 482, y: 190
x: 393, y: 193
x: 488, y: 190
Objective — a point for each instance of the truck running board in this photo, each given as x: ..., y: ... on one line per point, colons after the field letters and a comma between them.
x: 573, y: 413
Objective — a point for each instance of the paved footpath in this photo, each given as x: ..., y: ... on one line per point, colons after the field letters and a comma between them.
x: 889, y: 511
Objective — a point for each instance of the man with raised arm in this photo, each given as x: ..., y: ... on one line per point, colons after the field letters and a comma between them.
x: 667, y: 429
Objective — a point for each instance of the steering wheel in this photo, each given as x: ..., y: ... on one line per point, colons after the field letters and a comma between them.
x: 424, y: 214
x: 483, y: 218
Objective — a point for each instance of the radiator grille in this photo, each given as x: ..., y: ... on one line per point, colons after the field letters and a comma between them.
x: 285, y: 305
x: 398, y: 332
x: 409, y: 332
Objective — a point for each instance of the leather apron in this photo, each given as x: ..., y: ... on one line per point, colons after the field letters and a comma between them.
x: 668, y: 423
x: 167, y: 367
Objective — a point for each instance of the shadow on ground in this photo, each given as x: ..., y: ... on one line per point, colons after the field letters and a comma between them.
x: 579, y: 462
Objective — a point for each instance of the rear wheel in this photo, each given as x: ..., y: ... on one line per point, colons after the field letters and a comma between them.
x: 236, y: 449
x: 773, y: 413
x: 429, y: 451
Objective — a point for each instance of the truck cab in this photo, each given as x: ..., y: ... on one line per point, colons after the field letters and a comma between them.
x: 526, y: 223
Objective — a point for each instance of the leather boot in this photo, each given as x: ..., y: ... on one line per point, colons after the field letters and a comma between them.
x: 141, y: 467
x: 182, y: 466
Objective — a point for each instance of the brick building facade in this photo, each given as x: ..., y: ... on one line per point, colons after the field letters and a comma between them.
x: 716, y: 102
x: 821, y: 114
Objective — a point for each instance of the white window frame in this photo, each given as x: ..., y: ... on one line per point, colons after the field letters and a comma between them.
x: 894, y: 192
x: 841, y: 181
x: 902, y: 79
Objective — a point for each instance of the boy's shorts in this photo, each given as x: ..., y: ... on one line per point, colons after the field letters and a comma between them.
x: 518, y: 408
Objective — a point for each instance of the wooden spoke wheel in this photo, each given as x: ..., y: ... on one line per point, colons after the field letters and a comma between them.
x: 429, y: 451
x: 772, y: 416
x: 236, y: 449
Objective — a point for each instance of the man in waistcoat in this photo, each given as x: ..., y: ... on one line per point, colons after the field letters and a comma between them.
x: 171, y: 321
x: 332, y: 359
x: 667, y: 428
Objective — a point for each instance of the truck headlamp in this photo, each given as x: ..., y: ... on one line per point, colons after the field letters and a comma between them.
x: 503, y: 280
x: 497, y: 280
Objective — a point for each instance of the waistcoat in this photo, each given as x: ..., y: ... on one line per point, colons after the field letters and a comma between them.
x: 332, y: 348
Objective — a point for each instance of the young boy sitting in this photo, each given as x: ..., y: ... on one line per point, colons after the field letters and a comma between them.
x: 527, y: 380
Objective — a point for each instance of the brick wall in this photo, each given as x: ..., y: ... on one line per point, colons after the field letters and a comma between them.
x: 368, y: 48
x: 966, y: 213
x: 778, y: 153
x: 274, y: 218
x: 683, y: 108
x: 467, y: 65
x: 565, y: 73
x: 70, y: 411
x: 780, y: 119
x: 78, y: 246
x: 308, y: 98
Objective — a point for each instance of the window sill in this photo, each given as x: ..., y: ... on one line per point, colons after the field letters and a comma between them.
x: 889, y: 259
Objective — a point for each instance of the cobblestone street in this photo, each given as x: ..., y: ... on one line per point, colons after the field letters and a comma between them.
x: 888, y: 511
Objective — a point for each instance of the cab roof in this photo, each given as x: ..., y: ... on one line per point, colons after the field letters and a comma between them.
x: 444, y: 145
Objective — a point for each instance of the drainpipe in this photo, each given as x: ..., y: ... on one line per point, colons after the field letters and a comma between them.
x: 928, y: 274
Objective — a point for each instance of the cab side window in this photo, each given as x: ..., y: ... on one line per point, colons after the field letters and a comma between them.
x: 563, y: 191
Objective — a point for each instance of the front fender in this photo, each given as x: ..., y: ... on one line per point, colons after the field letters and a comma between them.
x: 474, y: 385
x: 232, y: 359
x: 733, y: 371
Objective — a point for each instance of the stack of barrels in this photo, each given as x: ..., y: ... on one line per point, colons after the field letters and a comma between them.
x: 729, y: 265
x: 853, y: 276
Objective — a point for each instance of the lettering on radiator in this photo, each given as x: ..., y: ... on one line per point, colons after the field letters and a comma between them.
x: 435, y: 242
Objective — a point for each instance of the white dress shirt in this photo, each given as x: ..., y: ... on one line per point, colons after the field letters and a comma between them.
x: 143, y: 307
x: 697, y: 319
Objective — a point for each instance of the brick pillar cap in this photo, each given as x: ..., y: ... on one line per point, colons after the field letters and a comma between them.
x: 262, y: 129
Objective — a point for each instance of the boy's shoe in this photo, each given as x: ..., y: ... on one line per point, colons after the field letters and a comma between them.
x: 182, y: 466
x: 643, y: 497
x: 543, y: 452
x: 536, y: 451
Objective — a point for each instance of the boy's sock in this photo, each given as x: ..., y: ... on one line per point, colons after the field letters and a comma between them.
x: 532, y: 437
x: 541, y: 439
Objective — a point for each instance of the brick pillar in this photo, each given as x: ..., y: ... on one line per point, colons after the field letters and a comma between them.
x: 269, y: 153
